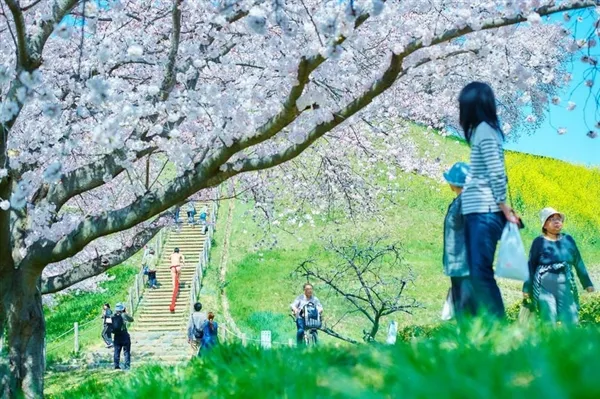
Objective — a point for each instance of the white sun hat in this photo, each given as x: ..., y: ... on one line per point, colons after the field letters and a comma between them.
x: 547, y: 212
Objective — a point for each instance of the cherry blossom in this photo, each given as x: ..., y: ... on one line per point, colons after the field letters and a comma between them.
x: 110, y: 115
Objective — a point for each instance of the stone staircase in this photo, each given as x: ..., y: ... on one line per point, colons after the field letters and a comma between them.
x: 157, y: 334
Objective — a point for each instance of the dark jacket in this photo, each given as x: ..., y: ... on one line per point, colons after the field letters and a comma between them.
x: 545, y: 252
x: 455, y: 250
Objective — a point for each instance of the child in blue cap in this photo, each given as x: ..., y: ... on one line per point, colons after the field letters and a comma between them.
x: 455, y: 251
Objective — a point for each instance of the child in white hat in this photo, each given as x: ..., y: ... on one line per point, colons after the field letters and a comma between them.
x: 552, y: 258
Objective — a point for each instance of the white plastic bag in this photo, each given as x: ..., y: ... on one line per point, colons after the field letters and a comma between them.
x: 448, y: 309
x: 512, y: 261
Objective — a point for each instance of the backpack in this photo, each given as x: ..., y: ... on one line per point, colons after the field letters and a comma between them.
x: 197, y: 333
x: 311, y: 316
x: 118, y: 325
x: 146, y: 270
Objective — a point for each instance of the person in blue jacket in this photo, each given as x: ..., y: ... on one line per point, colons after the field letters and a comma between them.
x: 454, y: 258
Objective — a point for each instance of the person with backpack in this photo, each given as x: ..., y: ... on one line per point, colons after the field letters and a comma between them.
x: 106, y: 325
x: 298, y: 308
x: 191, y: 213
x: 454, y: 257
x: 195, y: 328
x: 210, y: 331
x: 150, y: 266
x: 177, y: 261
x: 121, y: 338
x: 552, y: 259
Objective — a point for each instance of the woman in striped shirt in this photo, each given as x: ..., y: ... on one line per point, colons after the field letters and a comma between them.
x: 484, y: 196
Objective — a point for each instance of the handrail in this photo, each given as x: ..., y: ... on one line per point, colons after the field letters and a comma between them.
x: 203, y: 257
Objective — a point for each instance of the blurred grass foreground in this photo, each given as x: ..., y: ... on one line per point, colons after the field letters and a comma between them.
x: 476, y: 361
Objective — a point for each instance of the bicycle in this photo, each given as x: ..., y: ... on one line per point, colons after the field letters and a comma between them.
x: 311, y: 327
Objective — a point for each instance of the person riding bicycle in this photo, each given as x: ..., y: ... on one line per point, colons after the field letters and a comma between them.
x: 300, y: 306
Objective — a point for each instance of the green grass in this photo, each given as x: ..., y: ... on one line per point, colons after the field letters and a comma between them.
x: 260, y: 280
x: 482, y: 361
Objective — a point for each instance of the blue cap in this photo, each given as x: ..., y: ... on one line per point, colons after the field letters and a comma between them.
x: 119, y: 307
x: 457, y: 175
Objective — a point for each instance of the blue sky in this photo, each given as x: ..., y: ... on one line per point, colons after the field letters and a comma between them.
x: 574, y: 146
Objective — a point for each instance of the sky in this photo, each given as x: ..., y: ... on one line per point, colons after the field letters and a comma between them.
x: 574, y: 146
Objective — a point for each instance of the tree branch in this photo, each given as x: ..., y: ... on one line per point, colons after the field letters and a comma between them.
x: 206, y: 174
x: 59, y: 10
x: 88, y: 177
x: 19, y: 20
x: 101, y: 263
x: 169, y: 79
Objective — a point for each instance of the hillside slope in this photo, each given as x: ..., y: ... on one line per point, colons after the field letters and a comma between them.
x: 261, y: 283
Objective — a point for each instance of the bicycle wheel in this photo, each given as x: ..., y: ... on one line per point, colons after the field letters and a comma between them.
x: 313, y: 338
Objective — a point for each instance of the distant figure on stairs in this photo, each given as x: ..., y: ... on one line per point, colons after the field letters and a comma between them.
x: 122, y: 340
x: 151, y: 262
x: 106, y: 325
x: 195, y: 325
x: 203, y: 216
x: 176, y: 216
x: 177, y: 261
x: 210, y: 331
x: 191, y: 213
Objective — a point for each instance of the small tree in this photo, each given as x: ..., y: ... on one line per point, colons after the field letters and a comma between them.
x: 371, y: 278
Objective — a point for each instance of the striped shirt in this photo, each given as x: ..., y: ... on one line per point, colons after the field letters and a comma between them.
x: 486, y: 183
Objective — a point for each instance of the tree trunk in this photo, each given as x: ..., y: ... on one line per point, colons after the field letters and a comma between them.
x: 371, y: 336
x: 21, y: 308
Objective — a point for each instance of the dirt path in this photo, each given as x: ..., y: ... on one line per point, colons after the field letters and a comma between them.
x: 223, y: 273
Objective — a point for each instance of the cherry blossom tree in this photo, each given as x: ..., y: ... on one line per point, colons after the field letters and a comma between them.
x: 114, y: 111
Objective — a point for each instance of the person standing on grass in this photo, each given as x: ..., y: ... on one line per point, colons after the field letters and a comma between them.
x: 210, y: 331
x: 106, y: 325
x: 195, y: 328
x: 484, y: 195
x: 455, y: 251
x: 122, y: 340
x: 552, y: 258
x: 177, y: 262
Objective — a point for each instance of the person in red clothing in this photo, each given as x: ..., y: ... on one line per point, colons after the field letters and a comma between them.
x: 177, y: 262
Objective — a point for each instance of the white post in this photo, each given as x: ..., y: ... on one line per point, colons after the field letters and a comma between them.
x: 291, y: 342
x: 76, y: 332
x: 392, y: 333
x: 265, y: 339
x: 244, y: 339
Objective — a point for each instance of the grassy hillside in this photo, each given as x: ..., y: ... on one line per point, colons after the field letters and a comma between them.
x: 261, y: 284
x: 481, y: 362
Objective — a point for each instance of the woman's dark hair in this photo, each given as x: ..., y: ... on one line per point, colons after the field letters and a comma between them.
x: 477, y: 104
x: 176, y: 250
x: 211, y: 317
x: 197, y: 306
x: 107, y: 305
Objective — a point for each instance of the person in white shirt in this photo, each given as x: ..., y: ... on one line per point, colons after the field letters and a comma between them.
x: 298, y: 307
